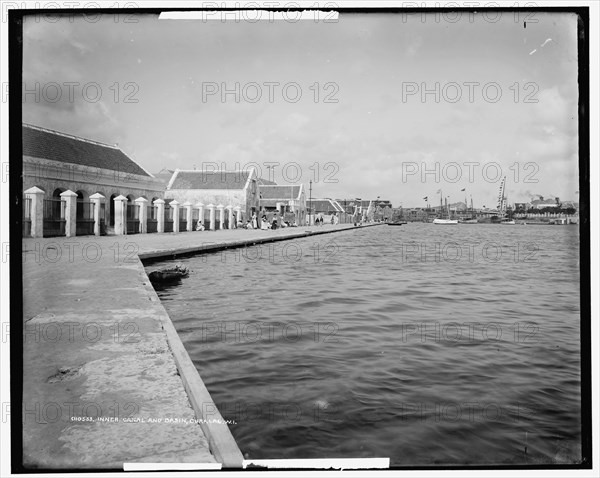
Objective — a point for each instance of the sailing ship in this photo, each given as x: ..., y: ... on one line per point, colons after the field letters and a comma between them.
x: 472, y: 219
x: 439, y: 220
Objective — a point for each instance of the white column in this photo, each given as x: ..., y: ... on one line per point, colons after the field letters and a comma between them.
x: 188, y: 216
x: 221, y: 209
x: 211, y: 210
x: 142, y: 203
x: 175, y: 205
x: 37, y: 210
x: 70, y: 198
x: 120, y: 215
x: 97, y: 199
x: 160, y: 215
x: 230, y: 216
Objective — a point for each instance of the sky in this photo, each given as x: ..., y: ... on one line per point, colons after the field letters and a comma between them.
x: 502, y: 99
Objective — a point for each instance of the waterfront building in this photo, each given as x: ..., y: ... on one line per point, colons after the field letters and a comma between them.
x: 542, y: 203
x: 327, y: 208
x: 164, y: 175
x: 266, y: 182
x: 65, y: 177
x: 381, y: 209
x: 284, y: 199
x: 238, y: 192
x: 522, y: 206
x: 416, y: 215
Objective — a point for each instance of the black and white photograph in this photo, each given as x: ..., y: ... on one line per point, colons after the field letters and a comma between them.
x: 320, y: 237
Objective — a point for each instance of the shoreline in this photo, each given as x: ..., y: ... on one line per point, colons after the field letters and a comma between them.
x: 97, y: 341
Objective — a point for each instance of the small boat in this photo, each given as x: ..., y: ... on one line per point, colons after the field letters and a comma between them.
x: 445, y: 221
x: 170, y: 274
x: 468, y: 221
x: 396, y: 223
x: 509, y: 222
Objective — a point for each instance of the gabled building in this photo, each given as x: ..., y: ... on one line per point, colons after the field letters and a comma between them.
x: 55, y: 163
x: 284, y: 199
x: 164, y: 175
x: 522, y: 206
x: 325, y: 206
x: 219, y: 188
x: 542, y: 203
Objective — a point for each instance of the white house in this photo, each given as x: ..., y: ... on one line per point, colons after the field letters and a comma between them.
x: 284, y: 198
x: 219, y: 194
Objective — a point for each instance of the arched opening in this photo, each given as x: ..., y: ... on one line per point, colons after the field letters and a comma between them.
x: 54, y: 214
x: 132, y: 215
x: 58, y: 209
x: 130, y: 206
x: 84, y: 214
x: 152, y: 214
x: 103, y: 213
x: 83, y: 205
x: 111, y: 209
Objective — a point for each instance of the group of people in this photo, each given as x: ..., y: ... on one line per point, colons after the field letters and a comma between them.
x: 237, y: 224
x: 319, y: 220
x: 264, y: 224
x: 277, y: 221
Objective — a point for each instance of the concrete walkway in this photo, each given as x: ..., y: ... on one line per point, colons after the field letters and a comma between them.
x: 106, y: 379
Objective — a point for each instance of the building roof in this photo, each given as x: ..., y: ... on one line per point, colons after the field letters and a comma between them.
x: 266, y: 182
x: 364, y: 202
x: 197, y: 179
x: 325, y: 205
x: 280, y: 192
x: 47, y: 144
x: 164, y: 175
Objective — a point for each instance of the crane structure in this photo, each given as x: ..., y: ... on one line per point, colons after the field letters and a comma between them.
x: 501, y: 197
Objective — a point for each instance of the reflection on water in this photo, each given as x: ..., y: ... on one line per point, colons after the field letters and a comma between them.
x: 428, y: 344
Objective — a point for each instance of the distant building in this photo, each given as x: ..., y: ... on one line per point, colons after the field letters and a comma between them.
x: 217, y: 188
x: 570, y: 204
x: 522, y: 206
x: 542, y: 203
x: 327, y: 207
x: 382, y: 209
x: 284, y: 199
x: 364, y: 203
x: 164, y: 175
x: 417, y: 214
x: 266, y: 182
x: 57, y: 162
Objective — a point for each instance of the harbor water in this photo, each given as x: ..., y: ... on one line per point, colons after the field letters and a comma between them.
x: 427, y: 344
